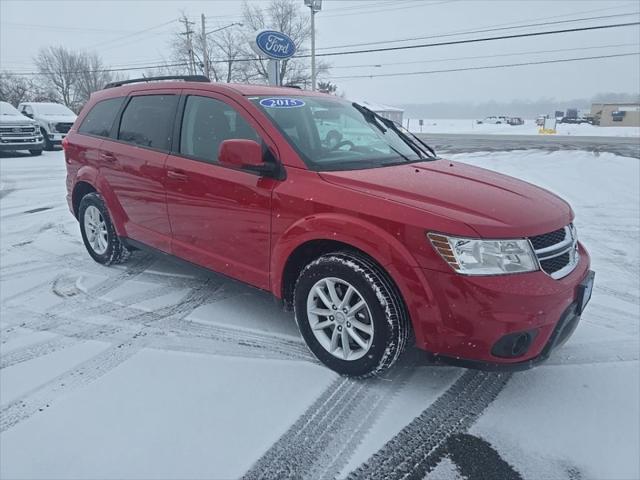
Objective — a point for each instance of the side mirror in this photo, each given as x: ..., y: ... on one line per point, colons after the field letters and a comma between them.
x: 240, y: 153
x: 246, y: 154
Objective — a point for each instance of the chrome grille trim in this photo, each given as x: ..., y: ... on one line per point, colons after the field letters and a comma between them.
x: 567, y: 246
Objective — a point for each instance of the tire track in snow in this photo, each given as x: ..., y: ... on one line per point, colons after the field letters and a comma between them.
x: 337, y: 455
x: 319, y: 440
x: 86, y: 372
x: 414, y: 451
x: 90, y: 370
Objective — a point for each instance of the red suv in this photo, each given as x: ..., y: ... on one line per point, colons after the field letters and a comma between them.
x: 341, y: 214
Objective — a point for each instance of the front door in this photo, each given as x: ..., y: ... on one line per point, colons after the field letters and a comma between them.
x: 220, y: 217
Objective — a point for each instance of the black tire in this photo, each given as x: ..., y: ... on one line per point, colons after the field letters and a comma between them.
x: 115, y: 252
x: 35, y: 153
x: 388, y: 313
x: 48, y: 146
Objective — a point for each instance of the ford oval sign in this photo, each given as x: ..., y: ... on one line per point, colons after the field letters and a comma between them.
x: 275, y: 45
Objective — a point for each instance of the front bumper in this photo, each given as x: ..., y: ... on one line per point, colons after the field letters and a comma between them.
x: 56, y: 138
x: 470, y: 315
x: 33, y: 143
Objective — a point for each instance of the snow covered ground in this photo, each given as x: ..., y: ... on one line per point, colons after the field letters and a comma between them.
x: 469, y: 126
x: 155, y: 369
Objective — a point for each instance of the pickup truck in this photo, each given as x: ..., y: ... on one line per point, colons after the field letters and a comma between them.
x: 54, y: 120
x: 18, y: 132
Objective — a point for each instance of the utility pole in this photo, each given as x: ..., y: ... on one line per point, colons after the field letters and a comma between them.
x: 315, y: 6
x: 313, y: 49
x: 188, y: 32
x: 205, y: 50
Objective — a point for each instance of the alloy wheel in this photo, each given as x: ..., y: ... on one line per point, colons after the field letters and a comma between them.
x: 340, y: 318
x: 95, y: 228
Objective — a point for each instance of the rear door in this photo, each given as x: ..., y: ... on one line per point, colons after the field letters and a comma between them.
x: 133, y: 163
x: 220, y: 217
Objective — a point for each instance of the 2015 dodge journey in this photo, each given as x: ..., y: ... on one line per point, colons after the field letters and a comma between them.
x: 348, y: 219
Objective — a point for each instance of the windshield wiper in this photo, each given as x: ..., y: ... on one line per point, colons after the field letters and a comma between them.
x: 416, y: 145
x: 370, y: 116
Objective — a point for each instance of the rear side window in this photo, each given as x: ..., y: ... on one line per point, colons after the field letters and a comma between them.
x: 206, y: 123
x: 148, y: 121
x: 100, y: 119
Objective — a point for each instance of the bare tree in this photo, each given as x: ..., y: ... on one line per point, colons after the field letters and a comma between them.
x: 14, y: 88
x: 288, y: 17
x: 61, y: 67
x: 228, y: 44
x: 93, y: 75
x: 327, y: 87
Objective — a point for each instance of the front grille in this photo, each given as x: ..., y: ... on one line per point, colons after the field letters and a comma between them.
x: 63, y: 127
x: 17, y: 131
x: 557, y: 251
x: 548, y: 239
x: 555, y: 264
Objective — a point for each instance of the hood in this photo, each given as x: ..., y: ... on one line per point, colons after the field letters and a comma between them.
x: 58, y: 118
x: 494, y: 205
x: 16, y: 120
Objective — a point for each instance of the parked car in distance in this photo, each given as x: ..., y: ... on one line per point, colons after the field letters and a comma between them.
x: 494, y: 120
x: 540, y: 120
x: 54, y: 120
x: 18, y: 132
x: 371, y: 243
x: 515, y: 121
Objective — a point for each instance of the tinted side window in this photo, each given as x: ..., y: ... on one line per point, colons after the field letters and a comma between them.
x: 100, y: 119
x: 206, y: 123
x: 148, y: 121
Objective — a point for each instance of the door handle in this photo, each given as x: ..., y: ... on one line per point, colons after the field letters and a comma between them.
x: 179, y: 175
x: 107, y: 157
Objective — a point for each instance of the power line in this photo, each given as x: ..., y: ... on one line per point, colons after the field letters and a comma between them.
x: 475, y: 40
x: 406, y: 47
x: 392, y: 9
x: 454, y: 34
x: 488, y: 67
x: 473, y: 57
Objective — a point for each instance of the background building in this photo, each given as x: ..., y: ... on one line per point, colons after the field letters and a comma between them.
x: 616, y: 114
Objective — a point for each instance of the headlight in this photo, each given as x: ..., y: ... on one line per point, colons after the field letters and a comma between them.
x: 471, y: 256
x: 52, y: 127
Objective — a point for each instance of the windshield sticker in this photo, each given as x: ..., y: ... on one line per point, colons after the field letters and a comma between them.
x: 281, y: 102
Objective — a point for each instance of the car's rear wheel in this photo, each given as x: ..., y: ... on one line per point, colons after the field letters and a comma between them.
x: 98, y: 234
x: 350, y: 314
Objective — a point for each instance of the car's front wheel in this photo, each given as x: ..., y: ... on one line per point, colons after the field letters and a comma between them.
x: 35, y: 153
x: 350, y: 314
x: 48, y: 146
x: 98, y: 233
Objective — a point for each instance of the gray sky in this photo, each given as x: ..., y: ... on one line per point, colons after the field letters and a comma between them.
x: 109, y: 27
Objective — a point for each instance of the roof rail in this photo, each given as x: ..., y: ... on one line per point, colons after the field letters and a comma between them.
x: 186, y: 78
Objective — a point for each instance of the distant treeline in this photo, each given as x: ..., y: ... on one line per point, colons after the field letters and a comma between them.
x: 516, y: 108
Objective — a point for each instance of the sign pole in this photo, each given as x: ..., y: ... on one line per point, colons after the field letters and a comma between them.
x: 273, y: 72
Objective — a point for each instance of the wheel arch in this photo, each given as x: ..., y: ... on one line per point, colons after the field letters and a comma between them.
x: 314, y: 236
x: 80, y: 189
x: 89, y: 180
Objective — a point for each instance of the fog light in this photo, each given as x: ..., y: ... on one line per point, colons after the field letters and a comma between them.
x: 514, y: 345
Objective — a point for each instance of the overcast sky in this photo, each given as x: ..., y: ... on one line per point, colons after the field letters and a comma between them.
x: 112, y: 28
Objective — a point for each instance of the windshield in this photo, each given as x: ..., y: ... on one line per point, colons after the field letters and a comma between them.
x: 8, y: 109
x: 52, y: 109
x: 332, y: 134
